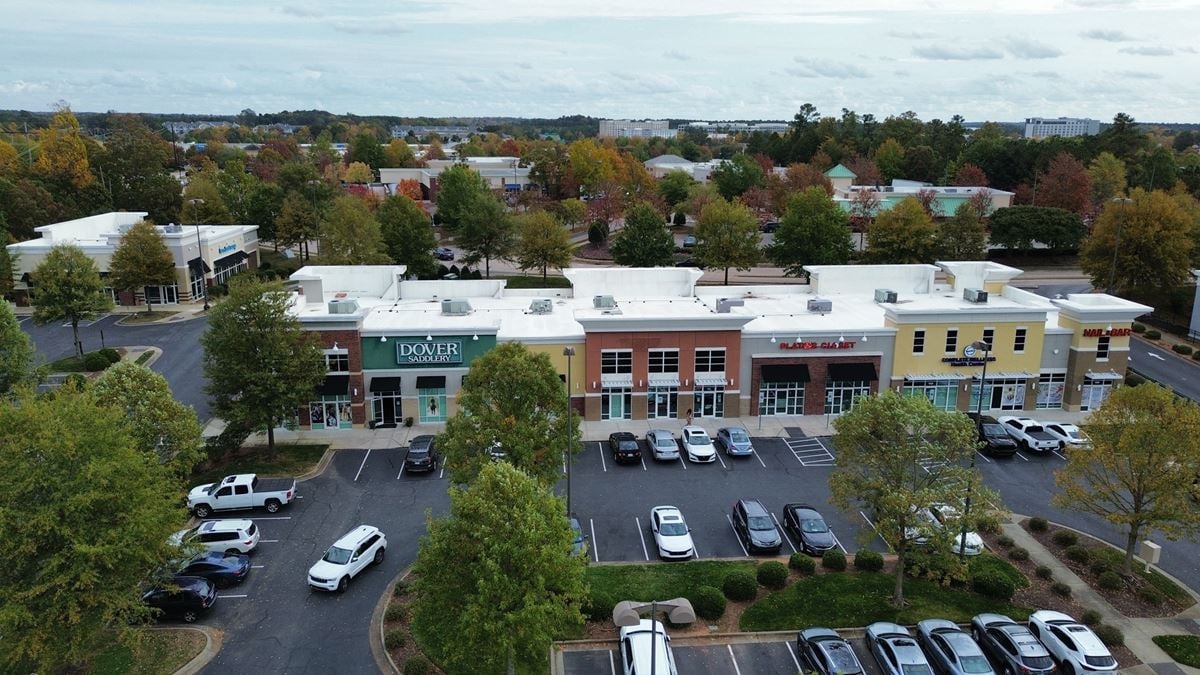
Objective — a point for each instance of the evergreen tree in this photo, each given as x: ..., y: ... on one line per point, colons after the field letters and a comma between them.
x: 408, y: 235
x: 645, y: 240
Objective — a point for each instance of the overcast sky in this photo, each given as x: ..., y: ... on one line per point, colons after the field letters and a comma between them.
x: 703, y: 59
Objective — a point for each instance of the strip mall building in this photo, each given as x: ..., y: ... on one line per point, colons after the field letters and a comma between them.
x: 650, y: 343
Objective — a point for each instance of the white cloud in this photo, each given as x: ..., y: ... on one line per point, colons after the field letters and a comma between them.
x: 369, y: 27
x: 911, y: 34
x: 1106, y: 35
x: 1148, y: 50
x: 1023, y: 48
x: 816, y: 67
x: 676, y: 55
x: 948, y: 53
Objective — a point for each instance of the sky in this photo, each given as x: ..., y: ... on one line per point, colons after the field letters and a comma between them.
x: 699, y: 59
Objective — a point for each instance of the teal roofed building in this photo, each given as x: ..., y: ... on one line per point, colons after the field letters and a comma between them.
x: 946, y: 198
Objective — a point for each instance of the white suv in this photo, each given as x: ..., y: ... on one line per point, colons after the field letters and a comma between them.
x: 350, y: 555
x: 235, y: 535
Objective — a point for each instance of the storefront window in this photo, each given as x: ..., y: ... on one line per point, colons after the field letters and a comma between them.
x: 1050, y: 391
x: 661, y: 403
x: 1095, y: 392
x: 331, y: 412
x: 841, y: 395
x: 1000, y: 394
x: 710, y: 360
x: 197, y: 286
x: 616, y: 362
x: 432, y: 404
x: 943, y: 394
x: 781, y: 398
x: 710, y: 399
x: 162, y: 295
x: 663, y: 360
x: 616, y: 404
x: 386, y: 408
x: 337, y: 361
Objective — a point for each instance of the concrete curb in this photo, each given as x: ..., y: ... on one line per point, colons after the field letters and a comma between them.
x: 319, y: 469
x: 212, y: 645
x: 375, y: 634
x: 155, y: 353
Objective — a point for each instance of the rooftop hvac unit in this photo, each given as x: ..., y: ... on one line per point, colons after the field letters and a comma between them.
x: 975, y: 295
x: 172, y: 228
x: 885, y: 295
x: 820, y: 306
x: 541, y: 306
x: 725, y: 304
x: 455, y: 307
x: 343, y: 306
x: 603, y: 302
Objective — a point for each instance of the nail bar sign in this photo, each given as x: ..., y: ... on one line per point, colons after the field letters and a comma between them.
x: 429, y: 351
x: 1111, y: 332
x: 844, y: 344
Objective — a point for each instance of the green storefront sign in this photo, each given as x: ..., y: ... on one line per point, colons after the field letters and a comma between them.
x: 443, y: 351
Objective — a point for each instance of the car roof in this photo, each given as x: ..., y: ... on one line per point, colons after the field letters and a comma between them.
x: 932, y: 625
x: 693, y: 429
x: 356, y: 536
x: 424, y: 439
x: 189, y: 583
x: 730, y: 429
x: 802, y: 508
x: 1089, y: 643
x: 819, y: 632
x: 622, y: 436
x: 989, y: 618
x: 885, y: 627
x: 657, y: 433
x: 753, y: 507
x: 226, y: 525
x: 212, y: 556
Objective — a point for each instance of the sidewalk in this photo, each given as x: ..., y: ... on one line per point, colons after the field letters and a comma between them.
x: 1138, y: 632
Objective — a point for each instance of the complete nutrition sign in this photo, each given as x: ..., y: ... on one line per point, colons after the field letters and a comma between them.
x: 429, y: 351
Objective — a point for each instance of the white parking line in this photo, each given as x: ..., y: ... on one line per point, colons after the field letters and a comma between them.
x: 1022, y: 456
x: 233, y: 596
x: 642, y: 537
x: 983, y: 457
x: 642, y: 459
x: 268, y: 541
x: 720, y: 460
x: 885, y: 541
x: 595, y: 552
x: 838, y: 541
x: 736, y: 670
x: 1059, y: 455
x: 790, y: 653
x: 401, y: 471
x: 785, y: 534
x: 735, y: 534
x: 1149, y: 353
x: 364, y: 463
x: 256, y: 567
x: 683, y: 462
x: 603, y: 464
x: 274, y: 518
x: 442, y: 471
x: 756, y: 456
x: 612, y: 666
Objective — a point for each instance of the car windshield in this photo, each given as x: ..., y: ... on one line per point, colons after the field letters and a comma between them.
x: 664, y: 442
x: 760, y: 523
x: 673, y: 529
x: 994, y: 430
x: 698, y: 438
x: 1074, y: 434
x: 975, y: 664
x: 739, y: 436
x: 418, y: 452
x: 337, y: 556
x: 813, y: 526
x: 916, y: 669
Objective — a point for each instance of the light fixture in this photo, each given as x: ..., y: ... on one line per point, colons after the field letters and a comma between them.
x: 335, y: 344
x: 475, y: 337
x: 841, y: 338
x: 383, y: 338
x: 864, y: 337
x: 429, y: 337
x: 772, y: 339
x: 731, y: 381
x: 1109, y: 329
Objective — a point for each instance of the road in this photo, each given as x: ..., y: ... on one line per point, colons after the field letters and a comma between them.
x: 1165, y: 368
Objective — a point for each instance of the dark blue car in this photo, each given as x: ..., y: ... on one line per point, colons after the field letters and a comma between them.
x: 223, y: 569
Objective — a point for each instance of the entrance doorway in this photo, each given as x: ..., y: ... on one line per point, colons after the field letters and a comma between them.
x: 710, y: 401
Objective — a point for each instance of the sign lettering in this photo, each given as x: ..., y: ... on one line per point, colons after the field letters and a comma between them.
x: 227, y: 248
x: 1113, y: 332
x: 965, y: 360
x: 845, y: 344
x: 440, y: 351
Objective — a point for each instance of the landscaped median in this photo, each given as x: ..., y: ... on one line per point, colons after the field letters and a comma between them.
x: 1184, y: 649
x: 154, y: 652
x: 289, y: 460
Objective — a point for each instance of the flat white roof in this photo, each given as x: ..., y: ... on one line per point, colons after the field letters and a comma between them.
x: 96, y: 231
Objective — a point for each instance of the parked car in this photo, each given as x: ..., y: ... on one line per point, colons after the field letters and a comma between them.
x: 443, y: 253
x: 689, y: 241
x: 824, y: 651
x: 688, y: 262
x: 769, y: 227
x: 1011, y: 645
x: 952, y: 650
x: 735, y: 441
x: 1075, y: 647
x: 223, y: 569
x: 181, y: 597
x: 1068, y: 435
x: 625, y: 447
x: 636, y: 646
x: 672, y: 536
x: 946, y: 516
x: 422, y: 455
x: 895, y: 650
x: 1029, y: 433
x: 347, y: 558
x: 697, y: 445
x: 579, y: 540
x: 808, y: 528
x: 235, y: 535
x: 662, y: 444
x: 242, y: 491
x: 754, y: 527
x: 996, y: 441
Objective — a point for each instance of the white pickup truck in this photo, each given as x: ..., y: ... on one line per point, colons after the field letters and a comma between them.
x: 1029, y: 434
x: 242, y: 491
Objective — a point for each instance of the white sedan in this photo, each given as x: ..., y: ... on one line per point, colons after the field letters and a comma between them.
x: 946, y: 516
x: 672, y: 536
x: 698, y: 446
x: 1074, y: 646
x: 1068, y: 435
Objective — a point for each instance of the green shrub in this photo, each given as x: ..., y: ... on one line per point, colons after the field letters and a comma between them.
x: 1110, y: 581
x: 987, y: 524
x: 1110, y: 635
x: 740, y: 586
x: 1079, y: 553
x: 1039, y: 524
x: 1061, y: 589
x: 866, y: 560
x: 680, y: 218
x: 1152, y: 334
x: 772, y: 574
x: 1043, y: 572
x: 95, y: 361
x: 993, y: 584
x: 598, y: 233
x: 111, y: 354
x: 401, y: 587
x: 1065, y: 538
x: 1090, y: 617
x: 417, y: 665
x: 1182, y: 349
x: 834, y: 559
x: 1099, y: 566
x: 1018, y: 553
x: 598, y: 606
x: 943, y: 568
x: 396, y: 612
x: 1004, y: 541
x: 708, y: 602
x: 1196, y: 355
x: 1150, y: 595
x: 394, y: 638
x: 1138, y: 328
x: 802, y: 563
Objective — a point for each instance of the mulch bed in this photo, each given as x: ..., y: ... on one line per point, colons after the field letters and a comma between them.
x: 407, y: 647
x: 594, y: 252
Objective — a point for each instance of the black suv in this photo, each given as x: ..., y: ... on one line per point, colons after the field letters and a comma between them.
x: 422, y: 455
x: 625, y: 447
x: 755, y: 527
x: 996, y: 441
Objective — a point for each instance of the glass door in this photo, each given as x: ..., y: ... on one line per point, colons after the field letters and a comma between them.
x: 710, y: 402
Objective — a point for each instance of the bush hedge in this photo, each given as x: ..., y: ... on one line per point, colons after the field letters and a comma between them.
x: 993, y: 584
x: 1150, y: 595
x: 834, y: 559
x: 987, y: 524
x: 1039, y: 524
x: 1004, y: 541
x: 772, y: 574
x: 740, y: 586
x: 1110, y: 581
x: 95, y: 361
x: 598, y: 606
x: 1065, y: 538
x: 1043, y: 572
x: 1110, y: 635
x: 1152, y: 334
x: 708, y: 602
x: 1079, y: 553
x: 866, y: 560
x: 1061, y: 589
x: 396, y: 612
x: 394, y: 638
x: 1018, y: 553
x: 111, y: 354
x: 1099, y: 566
x: 1090, y: 617
x: 802, y: 563
x: 417, y: 665
x: 1182, y: 349
x: 1138, y: 328
x: 1196, y: 355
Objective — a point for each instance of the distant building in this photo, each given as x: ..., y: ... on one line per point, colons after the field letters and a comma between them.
x: 500, y: 173
x: 1044, y: 127
x: 284, y: 129
x: 445, y: 132
x: 946, y: 198
x: 181, y: 128
x: 740, y: 127
x: 632, y: 129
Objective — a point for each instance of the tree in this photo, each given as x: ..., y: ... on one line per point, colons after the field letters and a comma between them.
x: 496, y: 579
x: 1144, y: 450
x: 85, y: 518
x: 260, y: 364
x: 67, y: 287
x: 962, y: 237
x: 897, y: 455
x: 864, y: 206
x: 1143, y: 245
x: 358, y: 172
x: 62, y: 153
x: 572, y: 212
x: 727, y: 236
x: 904, y: 234
x: 592, y: 165
x: 398, y: 154
x: 969, y: 175
x: 734, y: 177
x: 814, y: 231
x: 544, y: 243
x: 1018, y: 227
x: 1065, y: 185
x: 889, y: 156
x: 459, y: 187
x: 141, y: 259
x: 1107, y: 174
x: 408, y: 235
x: 298, y: 222
x: 202, y: 202
x: 365, y: 148
x: 16, y: 351
x: 512, y: 397
x: 350, y: 235
x: 263, y: 207
x: 674, y: 187
x: 160, y: 426
x: 486, y: 232
x: 159, y: 195
x: 1155, y: 170
x: 645, y: 240
x: 25, y: 204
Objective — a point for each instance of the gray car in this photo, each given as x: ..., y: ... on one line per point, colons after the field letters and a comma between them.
x: 735, y: 441
x: 1011, y: 645
x: 662, y: 444
x: 895, y: 650
x: 825, y: 652
x: 952, y: 650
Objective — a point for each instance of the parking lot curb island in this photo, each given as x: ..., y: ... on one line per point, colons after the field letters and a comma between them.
x: 386, y: 664
x: 212, y: 645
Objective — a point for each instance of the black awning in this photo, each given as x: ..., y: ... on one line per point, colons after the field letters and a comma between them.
x: 792, y: 372
x: 851, y: 372
x: 431, y: 382
x: 379, y: 384
x: 230, y: 260
x: 334, y: 385
x: 198, y: 267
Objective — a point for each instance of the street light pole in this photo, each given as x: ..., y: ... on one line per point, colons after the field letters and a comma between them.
x: 569, y: 352
x: 987, y: 351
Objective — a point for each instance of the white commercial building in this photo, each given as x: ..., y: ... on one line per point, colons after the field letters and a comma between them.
x: 632, y: 129
x: 1044, y: 127
x: 500, y: 173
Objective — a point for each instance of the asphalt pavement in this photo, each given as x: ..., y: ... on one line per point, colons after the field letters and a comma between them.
x: 1166, y: 368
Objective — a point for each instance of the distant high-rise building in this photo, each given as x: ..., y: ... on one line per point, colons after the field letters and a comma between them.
x: 631, y: 129
x: 1044, y: 127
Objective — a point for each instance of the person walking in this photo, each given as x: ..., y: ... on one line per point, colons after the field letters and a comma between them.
x: 689, y: 417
